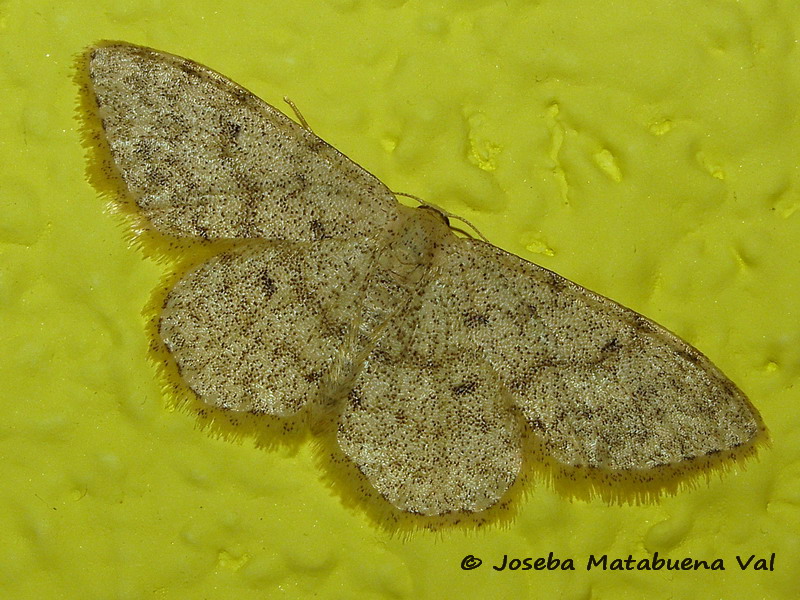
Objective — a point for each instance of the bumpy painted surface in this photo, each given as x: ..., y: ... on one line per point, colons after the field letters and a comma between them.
x: 648, y: 152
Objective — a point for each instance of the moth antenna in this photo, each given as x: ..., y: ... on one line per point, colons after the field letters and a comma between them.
x: 297, y: 113
x: 447, y: 214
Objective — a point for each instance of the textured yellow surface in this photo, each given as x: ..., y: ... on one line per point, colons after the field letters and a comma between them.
x: 647, y: 150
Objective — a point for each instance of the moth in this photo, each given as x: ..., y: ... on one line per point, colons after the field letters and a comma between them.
x: 436, y: 355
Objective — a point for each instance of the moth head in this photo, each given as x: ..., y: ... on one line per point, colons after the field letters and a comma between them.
x: 412, y: 243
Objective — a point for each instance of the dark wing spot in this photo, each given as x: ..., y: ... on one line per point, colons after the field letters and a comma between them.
x: 242, y: 96
x: 355, y: 398
x: 400, y: 417
x: 139, y: 51
x: 231, y: 129
x: 690, y: 355
x: 533, y: 311
x: 189, y: 68
x: 536, y: 425
x: 465, y: 388
x: 318, y: 230
x: 267, y: 285
x: 519, y: 386
x: 313, y: 376
x: 556, y: 281
x: 301, y: 180
x: 611, y: 346
x: 474, y: 319
x: 641, y: 323
x: 315, y: 144
x: 381, y: 356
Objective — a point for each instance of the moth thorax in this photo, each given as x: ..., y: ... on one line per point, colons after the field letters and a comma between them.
x: 412, y: 243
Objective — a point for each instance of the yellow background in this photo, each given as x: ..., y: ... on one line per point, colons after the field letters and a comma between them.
x: 647, y: 150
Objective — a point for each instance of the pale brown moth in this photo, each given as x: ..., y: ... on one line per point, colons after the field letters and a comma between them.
x: 436, y: 354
